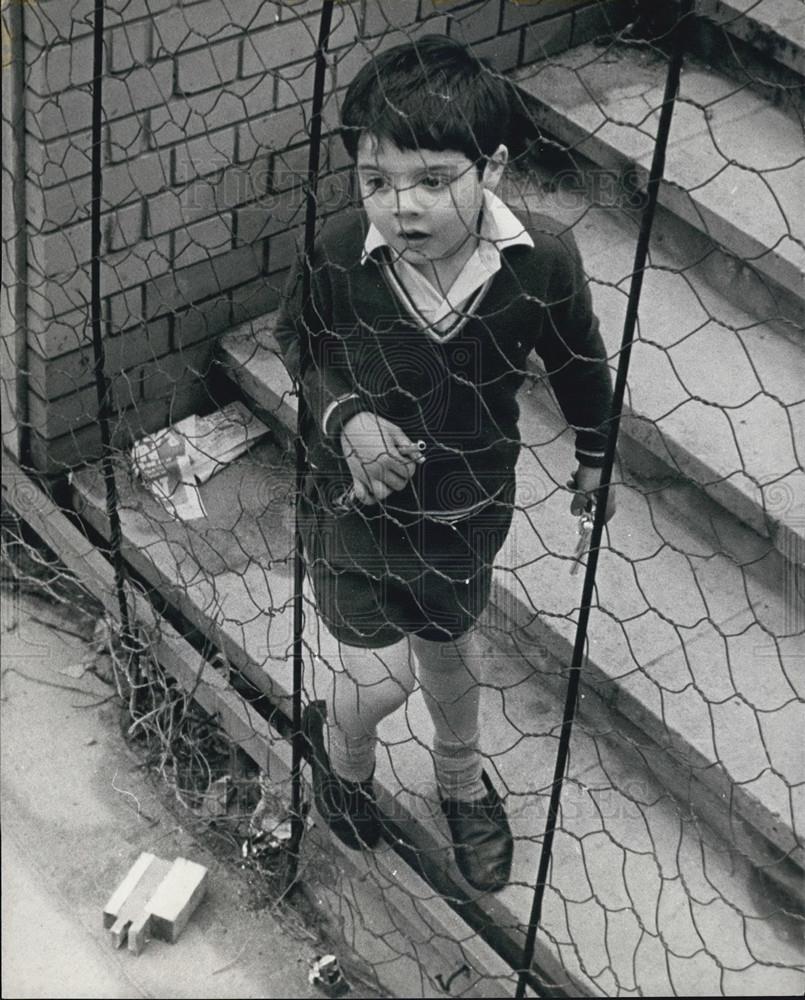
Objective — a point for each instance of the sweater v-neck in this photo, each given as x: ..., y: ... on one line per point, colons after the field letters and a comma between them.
x: 461, y: 315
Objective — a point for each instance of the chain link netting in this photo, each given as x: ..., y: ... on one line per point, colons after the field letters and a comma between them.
x: 200, y: 258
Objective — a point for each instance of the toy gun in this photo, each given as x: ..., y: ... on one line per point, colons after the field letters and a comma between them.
x: 348, y: 500
x: 585, y: 530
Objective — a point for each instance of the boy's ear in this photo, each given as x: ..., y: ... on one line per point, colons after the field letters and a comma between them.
x: 495, y: 165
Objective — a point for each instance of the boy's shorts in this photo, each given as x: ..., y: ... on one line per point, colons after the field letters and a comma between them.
x: 378, y: 577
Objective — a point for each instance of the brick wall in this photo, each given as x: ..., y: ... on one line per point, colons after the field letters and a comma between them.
x: 206, y: 104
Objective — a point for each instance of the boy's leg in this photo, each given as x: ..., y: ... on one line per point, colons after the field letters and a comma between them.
x: 368, y: 685
x: 450, y: 679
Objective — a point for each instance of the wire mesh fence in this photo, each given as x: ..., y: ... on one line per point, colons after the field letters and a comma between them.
x: 342, y: 328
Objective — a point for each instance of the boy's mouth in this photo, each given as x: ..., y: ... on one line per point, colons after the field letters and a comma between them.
x: 414, y: 235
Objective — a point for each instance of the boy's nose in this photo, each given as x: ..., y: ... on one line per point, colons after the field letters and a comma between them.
x: 407, y: 202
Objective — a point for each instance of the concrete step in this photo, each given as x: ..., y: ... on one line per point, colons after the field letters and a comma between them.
x: 644, y: 898
x: 759, y: 43
x: 735, y: 168
x: 715, y: 395
x: 665, y: 582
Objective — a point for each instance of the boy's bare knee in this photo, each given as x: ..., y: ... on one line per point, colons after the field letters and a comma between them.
x: 459, y: 654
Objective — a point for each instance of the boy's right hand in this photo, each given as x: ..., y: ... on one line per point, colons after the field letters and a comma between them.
x: 380, y: 456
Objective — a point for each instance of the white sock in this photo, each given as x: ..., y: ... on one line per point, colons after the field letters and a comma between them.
x: 458, y: 767
x: 352, y: 757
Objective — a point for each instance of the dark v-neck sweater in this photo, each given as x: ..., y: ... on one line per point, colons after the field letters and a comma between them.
x: 454, y: 390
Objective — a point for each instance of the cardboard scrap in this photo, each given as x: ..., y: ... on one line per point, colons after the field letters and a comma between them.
x: 173, y: 462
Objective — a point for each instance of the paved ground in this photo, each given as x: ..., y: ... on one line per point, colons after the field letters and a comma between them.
x: 77, y: 810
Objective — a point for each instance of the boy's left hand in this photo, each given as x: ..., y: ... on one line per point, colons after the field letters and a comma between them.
x: 585, y: 482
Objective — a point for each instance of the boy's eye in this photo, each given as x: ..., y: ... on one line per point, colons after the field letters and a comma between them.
x: 374, y: 183
x: 434, y: 183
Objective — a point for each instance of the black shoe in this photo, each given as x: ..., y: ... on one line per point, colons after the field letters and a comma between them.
x: 348, y: 807
x: 482, y: 839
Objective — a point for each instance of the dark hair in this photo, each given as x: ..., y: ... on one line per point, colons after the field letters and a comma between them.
x: 431, y: 93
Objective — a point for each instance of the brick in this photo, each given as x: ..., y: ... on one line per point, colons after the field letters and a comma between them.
x: 270, y: 215
x: 54, y: 417
x: 137, y: 178
x: 130, y: 46
x: 289, y: 167
x: 48, y: 117
x: 295, y: 86
x: 84, y: 444
x: 502, y: 52
x: 47, y: 22
x: 479, y: 21
x: 201, y: 322
x: 188, y: 27
x: 136, y: 265
x: 237, y: 186
x: 51, y: 297
x: 254, y: 222
x: 519, y: 12
x: 283, y: 248
x: 125, y: 11
x: 179, y: 289
x: 164, y: 213
x: 279, y: 45
x: 53, y: 337
x: 202, y: 240
x: 127, y: 138
x: 53, y: 377
x: 125, y: 226
x: 208, y: 111
x: 254, y: 298
x: 141, y: 88
x: 383, y: 15
x: 61, y: 252
x: 51, y: 116
x: 124, y: 309
x: 48, y: 208
x: 600, y: 18
x: 294, y: 41
x: 207, y: 198
x: 172, y: 33
x: 60, y: 160
x: 204, y: 155
x: 276, y: 130
x: 50, y: 21
x: 547, y: 38
x: 207, y: 67
x: 161, y: 378
x: 49, y: 378
x: 51, y: 70
x: 289, y: 10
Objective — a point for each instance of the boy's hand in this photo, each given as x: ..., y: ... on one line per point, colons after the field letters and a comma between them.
x: 380, y: 456
x: 585, y: 482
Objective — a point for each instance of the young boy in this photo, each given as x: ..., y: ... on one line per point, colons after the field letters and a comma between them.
x: 427, y: 302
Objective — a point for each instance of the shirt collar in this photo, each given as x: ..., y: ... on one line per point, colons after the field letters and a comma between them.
x: 500, y: 228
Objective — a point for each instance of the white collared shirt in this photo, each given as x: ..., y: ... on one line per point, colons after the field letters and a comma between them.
x: 432, y: 309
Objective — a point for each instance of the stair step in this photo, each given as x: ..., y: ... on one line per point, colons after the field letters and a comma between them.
x: 663, y: 584
x: 714, y: 394
x: 735, y: 168
x: 643, y: 896
x: 776, y: 28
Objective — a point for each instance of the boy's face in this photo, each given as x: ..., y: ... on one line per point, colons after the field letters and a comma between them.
x: 425, y: 203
